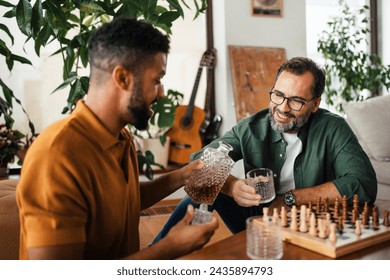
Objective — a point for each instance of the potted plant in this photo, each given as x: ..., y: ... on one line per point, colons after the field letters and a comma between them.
x: 10, y: 144
x: 352, y: 73
x: 152, y: 144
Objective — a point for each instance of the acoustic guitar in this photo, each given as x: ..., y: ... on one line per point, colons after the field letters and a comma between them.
x: 185, y: 136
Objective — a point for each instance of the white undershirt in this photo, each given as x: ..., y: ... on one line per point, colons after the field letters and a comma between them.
x: 293, y: 149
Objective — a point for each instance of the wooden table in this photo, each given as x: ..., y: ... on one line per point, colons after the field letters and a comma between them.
x: 234, y: 248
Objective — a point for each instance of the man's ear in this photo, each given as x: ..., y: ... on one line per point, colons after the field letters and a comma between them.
x: 317, y: 103
x: 122, y: 77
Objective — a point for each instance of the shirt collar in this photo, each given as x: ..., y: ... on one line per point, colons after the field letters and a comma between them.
x: 96, y: 128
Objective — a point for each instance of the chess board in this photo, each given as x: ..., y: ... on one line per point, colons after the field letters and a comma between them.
x: 347, y: 241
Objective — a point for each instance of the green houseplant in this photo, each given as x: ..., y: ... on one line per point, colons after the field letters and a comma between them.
x: 351, y: 70
x: 160, y: 122
x: 69, y: 24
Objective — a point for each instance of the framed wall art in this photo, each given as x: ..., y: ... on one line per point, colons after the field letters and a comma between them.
x: 270, y: 8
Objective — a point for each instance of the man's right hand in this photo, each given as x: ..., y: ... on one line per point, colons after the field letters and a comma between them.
x: 242, y: 193
x: 186, y: 238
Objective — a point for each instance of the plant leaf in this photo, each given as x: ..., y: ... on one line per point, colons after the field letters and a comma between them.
x: 6, y: 30
x: 37, y: 17
x: 23, y: 16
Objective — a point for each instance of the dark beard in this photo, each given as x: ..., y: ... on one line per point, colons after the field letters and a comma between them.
x: 293, y: 126
x: 137, y: 108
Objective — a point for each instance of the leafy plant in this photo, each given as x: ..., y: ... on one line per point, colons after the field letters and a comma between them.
x: 10, y: 144
x: 70, y: 23
x: 350, y: 68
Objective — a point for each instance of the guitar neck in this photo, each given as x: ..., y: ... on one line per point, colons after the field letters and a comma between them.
x: 190, y: 108
x: 210, y: 95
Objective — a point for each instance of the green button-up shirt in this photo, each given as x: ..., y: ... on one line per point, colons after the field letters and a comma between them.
x: 330, y: 153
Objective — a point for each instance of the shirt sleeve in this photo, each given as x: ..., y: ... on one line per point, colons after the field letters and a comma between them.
x: 354, y: 173
x: 51, y: 203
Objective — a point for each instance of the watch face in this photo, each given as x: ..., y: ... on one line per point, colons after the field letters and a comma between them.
x: 289, y: 199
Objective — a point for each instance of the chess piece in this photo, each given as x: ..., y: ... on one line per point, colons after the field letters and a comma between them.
x: 318, y: 205
x: 332, y: 233
x: 302, y: 214
x: 336, y: 208
x: 365, y: 220
x: 344, y: 210
x: 336, y: 213
x: 386, y: 222
x: 294, y: 222
x: 340, y: 225
x: 275, y: 216
x: 312, y: 225
x: 283, y: 216
x: 265, y: 214
x: 303, y: 225
x: 358, y: 229
x: 310, y: 206
x: 308, y: 214
x: 326, y: 204
x: 355, y: 202
x: 375, y: 217
x: 321, y: 229
x: 355, y: 215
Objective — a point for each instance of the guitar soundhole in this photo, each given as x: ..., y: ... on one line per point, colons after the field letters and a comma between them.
x: 186, y: 123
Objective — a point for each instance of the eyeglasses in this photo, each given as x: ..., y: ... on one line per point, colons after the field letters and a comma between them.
x: 294, y: 103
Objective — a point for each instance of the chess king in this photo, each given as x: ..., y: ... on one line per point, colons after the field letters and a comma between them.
x: 311, y: 151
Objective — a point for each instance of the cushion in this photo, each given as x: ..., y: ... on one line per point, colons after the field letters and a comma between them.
x: 370, y: 121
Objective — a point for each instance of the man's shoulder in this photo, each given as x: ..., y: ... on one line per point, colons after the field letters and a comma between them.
x: 257, y: 118
x: 324, y: 116
x: 331, y: 123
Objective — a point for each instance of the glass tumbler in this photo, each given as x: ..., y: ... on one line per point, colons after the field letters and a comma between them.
x: 263, y: 239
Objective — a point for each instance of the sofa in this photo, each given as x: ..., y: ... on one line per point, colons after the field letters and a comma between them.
x: 370, y: 121
x: 9, y: 221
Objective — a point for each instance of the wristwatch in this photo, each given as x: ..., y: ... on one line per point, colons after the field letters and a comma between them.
x: 289, y: 199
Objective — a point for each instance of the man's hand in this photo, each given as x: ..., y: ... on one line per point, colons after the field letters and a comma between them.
x: 244, y: 194
x: 185, y: 238
x: 187, y: 170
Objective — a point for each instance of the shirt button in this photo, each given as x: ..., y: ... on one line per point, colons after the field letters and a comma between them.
x: 281, y: 155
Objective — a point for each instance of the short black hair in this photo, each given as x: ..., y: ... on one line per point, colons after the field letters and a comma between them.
x: 301, y: 65
x: 125, y: 41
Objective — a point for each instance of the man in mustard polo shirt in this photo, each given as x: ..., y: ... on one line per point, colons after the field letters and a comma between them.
x: 79, y: 194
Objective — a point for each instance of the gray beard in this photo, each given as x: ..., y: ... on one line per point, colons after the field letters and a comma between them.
x: 293, y: 126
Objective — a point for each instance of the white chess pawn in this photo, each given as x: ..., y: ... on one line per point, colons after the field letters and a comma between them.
x: 312, y: 227
x: 283, y: 216
x: 332, y: 233
x: 321, y: 229
x: 275, y: 216
x: 358, y: 229
x: 294, y: 222
x: 265, y: 214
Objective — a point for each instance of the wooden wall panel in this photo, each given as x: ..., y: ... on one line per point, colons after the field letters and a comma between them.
x: 253, y: 72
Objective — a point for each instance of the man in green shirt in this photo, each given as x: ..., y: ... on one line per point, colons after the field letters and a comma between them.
x: 312, y: 152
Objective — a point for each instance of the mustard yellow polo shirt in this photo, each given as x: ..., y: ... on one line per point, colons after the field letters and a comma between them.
x: 79, y: 184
